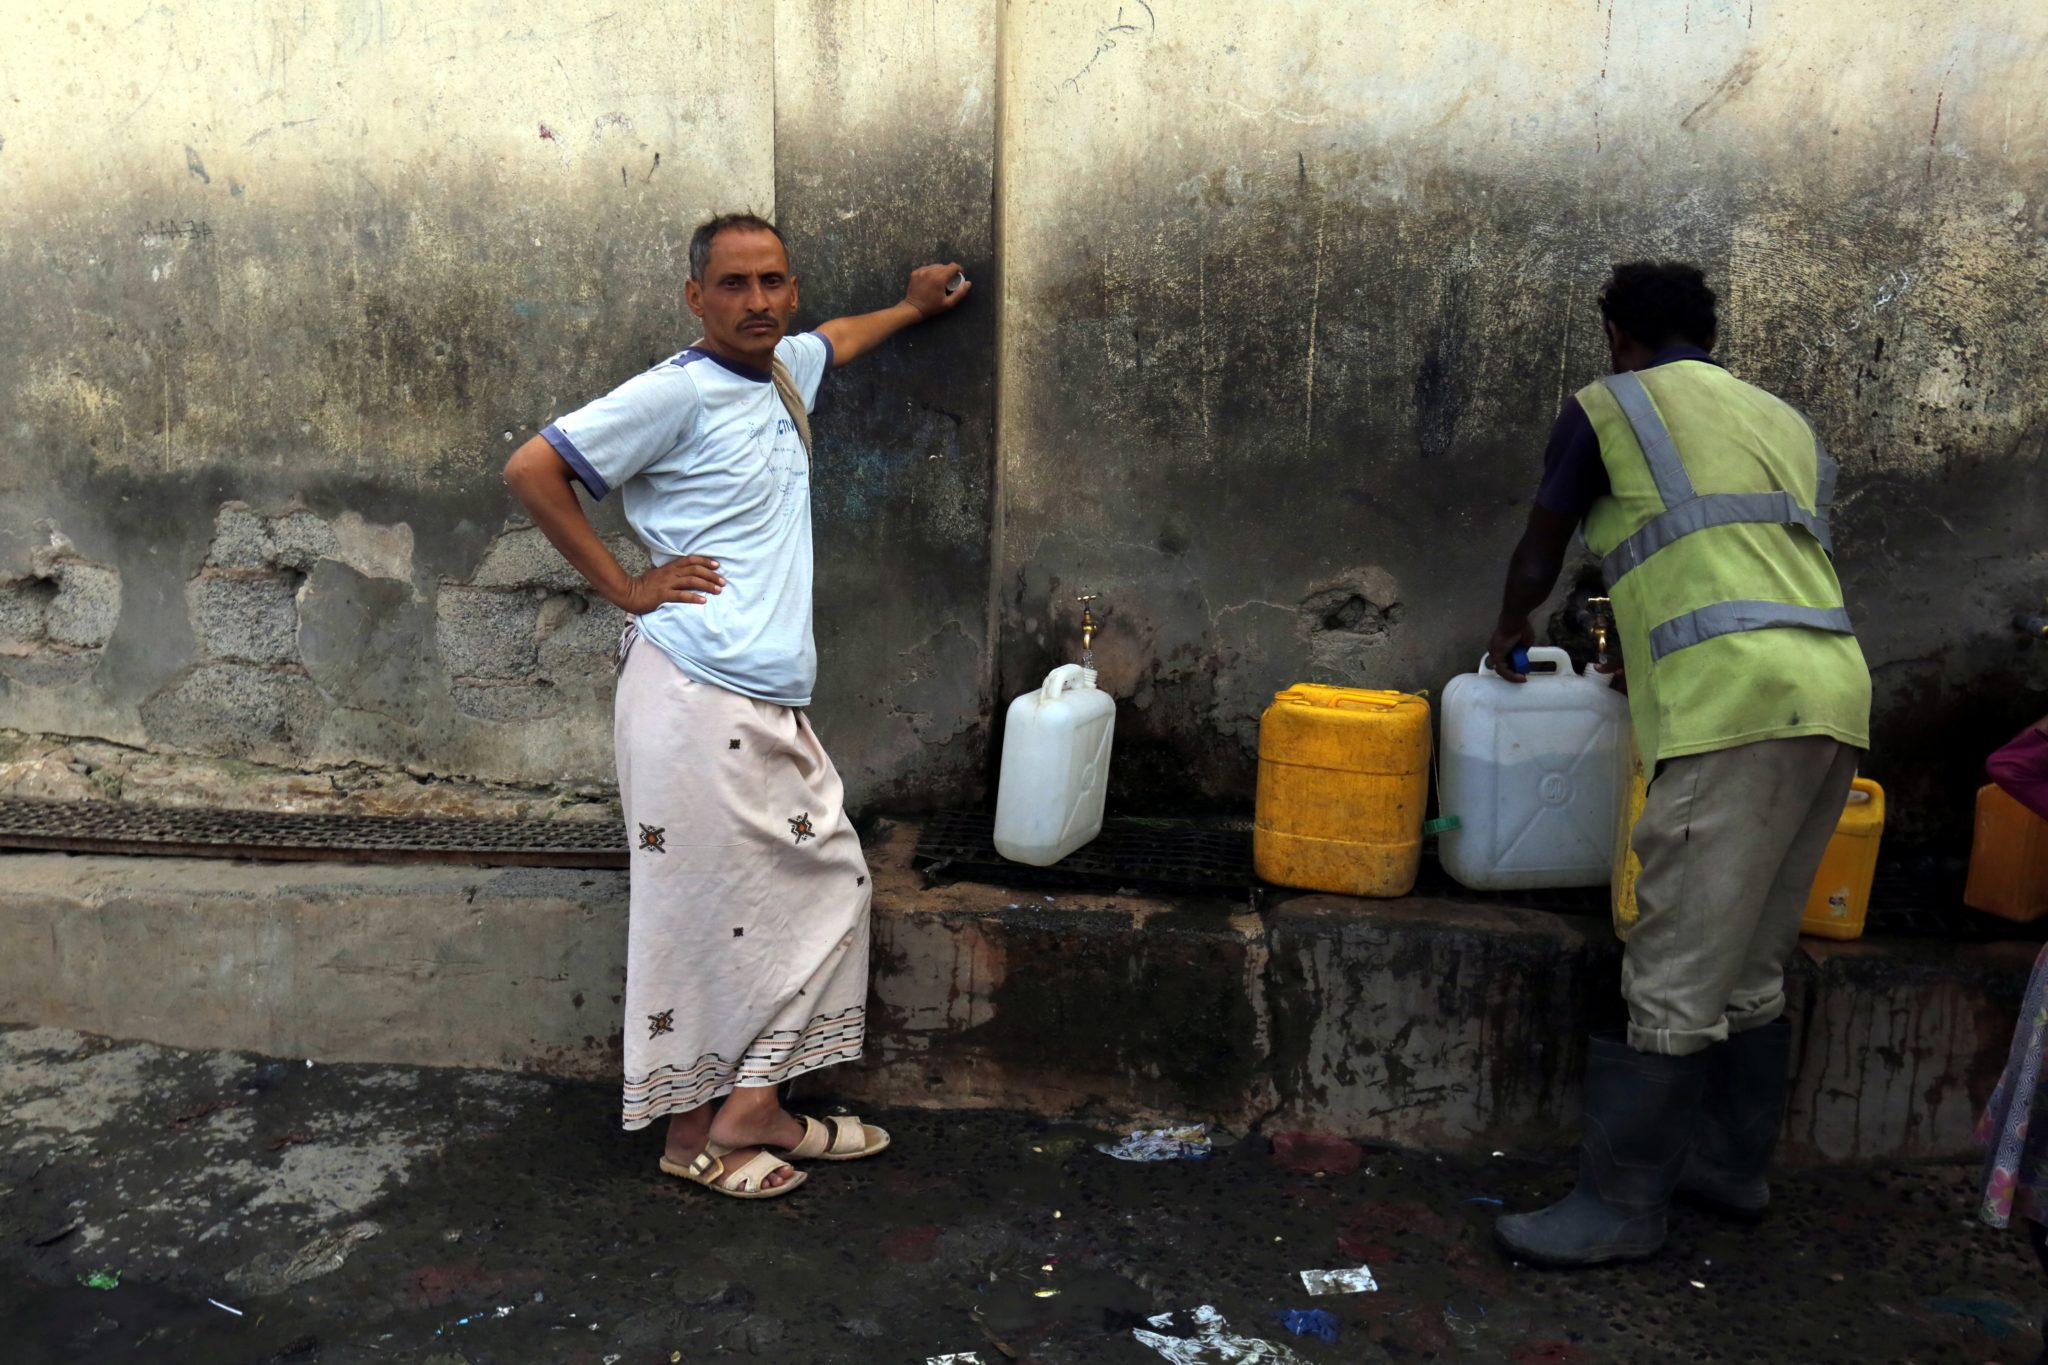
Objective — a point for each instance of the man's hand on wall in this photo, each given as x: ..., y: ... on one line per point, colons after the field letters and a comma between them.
x: 932, y: 291
x: 680, y: 580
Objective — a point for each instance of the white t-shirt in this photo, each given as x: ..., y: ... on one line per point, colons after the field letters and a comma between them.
x: 711, y: 464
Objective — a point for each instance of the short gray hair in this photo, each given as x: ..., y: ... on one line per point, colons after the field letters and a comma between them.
x: 708, y: 230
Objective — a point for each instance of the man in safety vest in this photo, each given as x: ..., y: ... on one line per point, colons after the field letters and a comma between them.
x: 1707, y: 500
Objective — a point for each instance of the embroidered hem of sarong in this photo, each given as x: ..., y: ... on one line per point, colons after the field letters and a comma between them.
x: 774, y: 1058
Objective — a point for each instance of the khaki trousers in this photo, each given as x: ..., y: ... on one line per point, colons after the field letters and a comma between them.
x: 1730, y: 843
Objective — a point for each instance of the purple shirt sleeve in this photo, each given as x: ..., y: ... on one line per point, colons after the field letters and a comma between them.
x: 1573, y: 475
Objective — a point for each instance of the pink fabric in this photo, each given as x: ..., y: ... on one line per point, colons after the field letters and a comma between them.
x: 2016, y: 1163
x: 2021, y: 770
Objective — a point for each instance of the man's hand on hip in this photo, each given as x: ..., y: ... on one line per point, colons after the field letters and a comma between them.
x: 686, y: 579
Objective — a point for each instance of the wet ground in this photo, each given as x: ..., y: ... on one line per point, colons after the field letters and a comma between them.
x: 372, y: 1213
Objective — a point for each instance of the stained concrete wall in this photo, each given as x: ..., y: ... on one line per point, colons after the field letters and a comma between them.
x: 289, y: 283
x: 885, y: 158
x: 1286, y: 298
x: 1295, y: 291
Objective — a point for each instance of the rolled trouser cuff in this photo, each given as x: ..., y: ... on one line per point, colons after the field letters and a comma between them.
x: 1742, y: 1018
x: 1676, y: 1042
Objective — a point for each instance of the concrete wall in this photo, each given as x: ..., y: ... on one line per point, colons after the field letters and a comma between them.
x: 287, y: 283
x: 1287, y: 298
x: 1296, y: 290
x: 885, y: 158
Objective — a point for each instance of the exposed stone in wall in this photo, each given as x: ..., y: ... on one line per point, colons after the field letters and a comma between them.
x: 1344, y: 619
x: 249, y: 690
x: 251, y: 620
x: 523, y: 624
x: 56, y: 620
x: 232, y: 708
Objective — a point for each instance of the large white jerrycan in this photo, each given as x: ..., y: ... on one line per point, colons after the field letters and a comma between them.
x: 1055, y: 768
x: 1535, y: 773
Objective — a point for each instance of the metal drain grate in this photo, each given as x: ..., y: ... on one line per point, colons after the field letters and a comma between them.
x: 168, y: 831
x: 1178, y: 855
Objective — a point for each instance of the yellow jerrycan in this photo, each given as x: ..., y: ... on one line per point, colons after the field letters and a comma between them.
x: 1840, y: 899
x: 1343, y: 782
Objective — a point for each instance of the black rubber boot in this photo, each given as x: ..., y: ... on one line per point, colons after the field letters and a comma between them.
x: 1641, y: 1108
x: 1741, y: 1110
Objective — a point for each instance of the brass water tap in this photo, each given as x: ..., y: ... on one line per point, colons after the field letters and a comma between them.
x: 1603, y: 617
x: 1087, y: 621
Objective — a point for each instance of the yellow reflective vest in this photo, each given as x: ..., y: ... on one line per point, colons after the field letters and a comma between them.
x: 1714, y: 537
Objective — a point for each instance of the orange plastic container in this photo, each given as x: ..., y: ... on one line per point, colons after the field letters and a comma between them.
x: 2008, y: 859
x: 1343, y: 779
x: 1840, y: 898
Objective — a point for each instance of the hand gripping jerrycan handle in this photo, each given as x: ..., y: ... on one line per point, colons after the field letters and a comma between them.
x: 1521, y: 660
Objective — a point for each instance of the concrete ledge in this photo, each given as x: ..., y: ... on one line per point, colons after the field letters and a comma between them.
x: 1425, y: 1023
x: 516, y: 968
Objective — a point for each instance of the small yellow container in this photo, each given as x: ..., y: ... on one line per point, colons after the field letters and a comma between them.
x: 1343, y: 781
x: 1621, y: 886
x: 1840, y: 899
x: 2008, y: 859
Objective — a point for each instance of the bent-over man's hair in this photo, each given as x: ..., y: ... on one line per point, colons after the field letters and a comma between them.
x: 1660, y: 301
x: 700, y: 240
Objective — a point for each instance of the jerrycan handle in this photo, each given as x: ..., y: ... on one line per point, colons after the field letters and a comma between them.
x: 1064, y: 677
x: 1542, y: 654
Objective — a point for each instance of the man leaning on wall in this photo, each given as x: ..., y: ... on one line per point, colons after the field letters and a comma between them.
x: 1707, y: 499
x: 747, y: 948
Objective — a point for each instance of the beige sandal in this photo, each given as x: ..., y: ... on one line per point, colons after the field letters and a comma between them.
x: 845, y: 1139
x: 748, y: 1182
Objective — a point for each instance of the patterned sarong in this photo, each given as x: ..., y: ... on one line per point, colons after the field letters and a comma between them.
x: 747, y: 955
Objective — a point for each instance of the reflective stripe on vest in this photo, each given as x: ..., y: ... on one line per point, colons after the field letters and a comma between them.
x: 1715, y: 509
x: 1728, y: 618
x: 1685, y: 511
x: 1673, y: 484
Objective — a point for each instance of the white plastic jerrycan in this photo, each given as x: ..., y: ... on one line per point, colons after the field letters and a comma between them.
x: 1055, y: 768
x: 1535, y: 773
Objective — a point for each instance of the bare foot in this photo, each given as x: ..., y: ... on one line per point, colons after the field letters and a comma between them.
x: 758, y: 1125
x: 688, y: 1134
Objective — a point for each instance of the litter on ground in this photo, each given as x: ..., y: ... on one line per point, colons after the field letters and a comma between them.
x: 1211, y: 1343
x: 1190, y: 1143
x: 273, y: 1272
x: 1359, y: 1281
x: 1309, y: 1322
